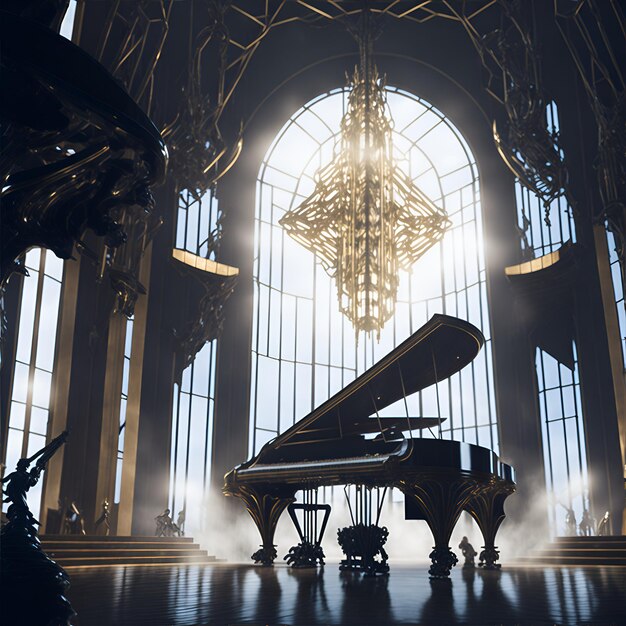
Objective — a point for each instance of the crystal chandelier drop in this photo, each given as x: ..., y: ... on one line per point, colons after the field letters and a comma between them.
x: 366, y: 220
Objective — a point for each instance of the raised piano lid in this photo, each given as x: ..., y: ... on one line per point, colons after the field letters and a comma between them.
x: 439, y: 349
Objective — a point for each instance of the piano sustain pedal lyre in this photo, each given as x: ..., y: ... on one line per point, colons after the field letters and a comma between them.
x: 308, y: 553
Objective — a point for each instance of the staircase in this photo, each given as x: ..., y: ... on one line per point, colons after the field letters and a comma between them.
x: 609, y: 550
x: 90, y: 551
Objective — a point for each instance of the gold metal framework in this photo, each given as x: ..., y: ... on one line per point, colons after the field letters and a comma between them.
x: 366, y: 220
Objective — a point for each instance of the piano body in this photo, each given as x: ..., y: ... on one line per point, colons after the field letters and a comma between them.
x: 439, y: 478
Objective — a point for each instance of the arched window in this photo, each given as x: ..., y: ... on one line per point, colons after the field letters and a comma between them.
x: 303, y: 349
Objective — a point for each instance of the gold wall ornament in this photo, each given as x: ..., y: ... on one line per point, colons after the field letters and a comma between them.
x: 366, y: 220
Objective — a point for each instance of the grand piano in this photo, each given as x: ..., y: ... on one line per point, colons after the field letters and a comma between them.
x: 439, y: 478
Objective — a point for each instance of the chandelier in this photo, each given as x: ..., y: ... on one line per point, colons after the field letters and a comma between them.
x: 366, y: 220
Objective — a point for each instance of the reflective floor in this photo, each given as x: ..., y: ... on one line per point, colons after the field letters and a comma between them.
x: 245, y: 594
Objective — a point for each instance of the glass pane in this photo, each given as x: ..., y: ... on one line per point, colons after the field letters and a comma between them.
x: 20, y: 382
x: 27, y: 317
x: 14, y: 450
x: 41, y: 388
x: 16, y: 418
x: 48, y: 318
x: 39, y: 421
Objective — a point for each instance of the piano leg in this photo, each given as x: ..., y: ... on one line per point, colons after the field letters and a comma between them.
x: 265, y: 507
x: 487, y: 508
x: 441, y: 501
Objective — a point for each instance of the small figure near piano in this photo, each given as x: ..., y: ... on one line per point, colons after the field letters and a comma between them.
x: 468, y: 552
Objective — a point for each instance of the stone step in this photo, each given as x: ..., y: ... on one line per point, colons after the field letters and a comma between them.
x: 610, y: 550
x: 103, y: 561
x: 571, y: 560
x: 78, y: 553
x: 573, y: 552
x: 97, y: 550
x: 594, y: 538
x: 116, y: 538
x: 116, y: 545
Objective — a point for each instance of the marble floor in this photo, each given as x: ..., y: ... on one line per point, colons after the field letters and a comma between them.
x: 227, y: 593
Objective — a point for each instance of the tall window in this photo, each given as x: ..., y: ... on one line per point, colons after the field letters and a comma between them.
x: 34, y: 361
x: 564, y: 451
x: 303, y: 349
x: 192, y: 412
x: 128, y: 344
x: 563, y: 438
x: 618, y: 288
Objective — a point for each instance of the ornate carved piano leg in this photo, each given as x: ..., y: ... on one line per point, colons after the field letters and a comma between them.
x: 265, y: 506
x: 441, y: 501
x: 487, y: 508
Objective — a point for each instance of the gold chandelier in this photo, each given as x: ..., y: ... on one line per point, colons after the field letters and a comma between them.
x: 366, y: 220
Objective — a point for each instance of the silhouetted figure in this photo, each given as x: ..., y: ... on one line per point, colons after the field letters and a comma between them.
x: 73, y: 523
x: 18, y: 484
x: 586, y: 524
x: 570, y: 521
x: 180, y: 522
x: 603, y: 525
x: 104, y: 517
x: 164, y: 525
x: 467, y: 550
x: 32, y: 584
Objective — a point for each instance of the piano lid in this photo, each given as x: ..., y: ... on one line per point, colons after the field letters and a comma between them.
x: 439, y: 349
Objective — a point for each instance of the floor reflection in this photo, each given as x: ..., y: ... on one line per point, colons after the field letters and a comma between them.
x: 243, y: 594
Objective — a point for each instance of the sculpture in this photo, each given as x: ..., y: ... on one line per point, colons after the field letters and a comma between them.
x: 73, y: 523
x: 180, y: 522
x: 586, y: 524
x: 104, y: 517
x: 467, y: 550
x: 603, y: 525
x: 33, y: 585
x: 570, y: 521
x: 165, y: 526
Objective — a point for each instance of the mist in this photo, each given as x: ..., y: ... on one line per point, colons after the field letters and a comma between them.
x: 231, y: 534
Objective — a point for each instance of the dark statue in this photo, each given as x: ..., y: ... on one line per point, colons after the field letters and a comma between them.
x: 586, y: 524
x: 603, y: 525
x: 165, y: 526
x: 180, y: 522
x: 33, y: 585
x: 570, y: 521
x: 468, y: 552
x: 73, y: 523
x: 104, y: 517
